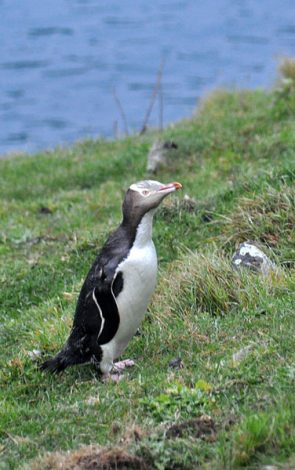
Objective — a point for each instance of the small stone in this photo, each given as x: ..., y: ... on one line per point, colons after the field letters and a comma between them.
x: 45, y: 210
x: 35, y: 354
x: 176, y: 363
x: 249, y: 256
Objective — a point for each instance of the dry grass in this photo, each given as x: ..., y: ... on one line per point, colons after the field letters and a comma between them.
x: 268, y: 218
x: 89, y: 458
x: 206, y: 282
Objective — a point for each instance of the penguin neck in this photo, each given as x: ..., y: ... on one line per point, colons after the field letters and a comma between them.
x: 144, y: 230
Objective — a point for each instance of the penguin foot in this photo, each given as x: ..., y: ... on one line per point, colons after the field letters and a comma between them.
x: 117, y: 377
x: 120, y: 365
x: 117, y: 369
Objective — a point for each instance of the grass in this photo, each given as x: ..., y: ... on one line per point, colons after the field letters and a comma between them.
x: 234, y: 333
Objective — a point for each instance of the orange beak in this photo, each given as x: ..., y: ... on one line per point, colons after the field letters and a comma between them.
x: 177, y: 185
x: 172, y: 186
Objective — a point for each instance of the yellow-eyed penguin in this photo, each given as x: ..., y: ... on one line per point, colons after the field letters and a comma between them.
x: 118, y: 287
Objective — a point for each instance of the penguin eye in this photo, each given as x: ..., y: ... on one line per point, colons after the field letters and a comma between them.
x: 145, y: 192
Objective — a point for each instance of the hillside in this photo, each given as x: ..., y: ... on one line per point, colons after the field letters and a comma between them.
x: 236, y: 162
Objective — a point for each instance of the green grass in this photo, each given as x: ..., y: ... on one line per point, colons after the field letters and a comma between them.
x: 236, y: 161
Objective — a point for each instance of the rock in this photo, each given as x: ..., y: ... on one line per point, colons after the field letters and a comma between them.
x: 158, y: 154
x: 176, y: 363
x: 251, y: 257
x: 45, y: 210
x: 35, y: 354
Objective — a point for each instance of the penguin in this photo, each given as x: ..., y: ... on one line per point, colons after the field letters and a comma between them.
x: 117, y: 290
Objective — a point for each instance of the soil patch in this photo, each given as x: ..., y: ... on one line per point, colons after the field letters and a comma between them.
x: 110, y: 460
x: 202, y: 427
x: 90, y: 458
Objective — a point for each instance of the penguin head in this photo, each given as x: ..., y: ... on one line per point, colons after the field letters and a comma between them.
x: 144, y: 196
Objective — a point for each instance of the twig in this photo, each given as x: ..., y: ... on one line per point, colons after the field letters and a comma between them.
x: 161, y: 107
x: 153, y: 97
x: 10, y: 436
x: 121, y: 111
x: 115, y: 129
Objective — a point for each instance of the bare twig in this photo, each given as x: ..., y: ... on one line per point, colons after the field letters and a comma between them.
x: 115, y: 129
x: 153, y: 98
x: 10, y: 436
x: 161, y: 108
x: 121, y: 111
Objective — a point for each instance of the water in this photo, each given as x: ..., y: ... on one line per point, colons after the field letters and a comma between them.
x: 61, y: 59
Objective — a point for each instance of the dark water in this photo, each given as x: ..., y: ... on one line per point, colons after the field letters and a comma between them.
x: 60, y: 59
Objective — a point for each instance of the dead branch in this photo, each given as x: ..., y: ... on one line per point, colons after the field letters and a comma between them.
x: 155, y: 93
x: 121, y: 111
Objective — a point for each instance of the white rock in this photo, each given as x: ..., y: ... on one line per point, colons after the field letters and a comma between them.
x: 251, y: 257
x: 35, y: 354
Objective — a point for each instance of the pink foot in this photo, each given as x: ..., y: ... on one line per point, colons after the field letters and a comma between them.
x: 116, y: 377
x: 120, y: 365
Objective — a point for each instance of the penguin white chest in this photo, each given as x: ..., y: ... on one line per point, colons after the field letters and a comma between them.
x: 139, y: 271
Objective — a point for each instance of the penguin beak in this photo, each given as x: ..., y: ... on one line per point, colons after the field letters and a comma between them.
x: 169, y: 188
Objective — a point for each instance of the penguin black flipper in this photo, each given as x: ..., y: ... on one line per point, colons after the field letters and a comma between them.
x: 97, y: 311
x: 103, y: 315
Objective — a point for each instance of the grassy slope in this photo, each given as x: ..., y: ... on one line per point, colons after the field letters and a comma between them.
x: 236, y: 159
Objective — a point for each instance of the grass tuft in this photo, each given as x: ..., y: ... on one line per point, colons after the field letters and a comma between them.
x: 206, y: 282
x: 268, y: 217
x: 264, y: 433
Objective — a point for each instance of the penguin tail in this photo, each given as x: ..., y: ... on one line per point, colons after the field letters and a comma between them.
x: 55, y: 365
x: 66, y: 357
